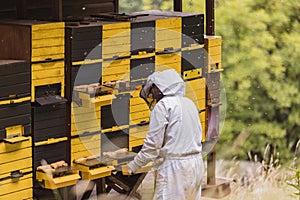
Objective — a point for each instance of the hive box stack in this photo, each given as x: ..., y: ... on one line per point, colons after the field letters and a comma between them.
x: 142, y: 64
x: 83, y: 73
x: 122, y: 54
x: 15, y: 130
x: 116, y: 67
x: 213, y: 68
x: 42, y: 44
x: 180, y: 46
x: 85, y: 77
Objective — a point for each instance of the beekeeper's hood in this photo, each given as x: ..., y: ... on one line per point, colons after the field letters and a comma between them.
x: 168, y: 82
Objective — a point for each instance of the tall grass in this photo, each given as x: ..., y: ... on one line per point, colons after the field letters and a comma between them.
x: 262, y: 180
x: 293, y: 180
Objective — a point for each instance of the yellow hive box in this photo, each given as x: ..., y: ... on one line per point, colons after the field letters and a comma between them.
x: 48, y: 41
x: 196, y: 84
x: 196, y: 95
x: 139, y: 111
x: 166, y: 44
x: 196, y: 91
x: 137, y: 134
x: 213, y: 46
x: 95, y: 102
x: 51, y: 182
x: 85, y: 146
x: 214, y: 50
x: 139, y: 117
x: 19, y: 195
x: 115, y: 39
x: 210, y: 40
x: 169, y: 23
x: 12, y: 188
x: 46, y: 74
x: 115, y: 70
x: 168, y: 61
x: 84, y: 119
x: 16, y: 151
x: 168, y: 34
x: 96, y: 173
x: 22, y: 165
x: 195, y: 87
x: 135, y: 143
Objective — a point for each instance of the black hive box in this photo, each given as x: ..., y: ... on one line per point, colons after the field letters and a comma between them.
x: 15, y: 107
x: 116, y: 114
x: 142, y: 36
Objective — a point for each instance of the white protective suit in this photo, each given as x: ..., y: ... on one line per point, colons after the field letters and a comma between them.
x: 173, y: 141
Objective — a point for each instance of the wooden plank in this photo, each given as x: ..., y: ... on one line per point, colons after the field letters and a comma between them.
x: 211, y: 166
x: 57, y: 11
x: 12, y: 35
x: 177, y: 5
x: 210, y: 17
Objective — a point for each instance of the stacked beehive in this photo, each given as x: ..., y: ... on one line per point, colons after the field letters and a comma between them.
x: 100, y: 67
x: 213, y: 67
x: 41, y: 44
x: 15, y: 130
x: 129, y: 52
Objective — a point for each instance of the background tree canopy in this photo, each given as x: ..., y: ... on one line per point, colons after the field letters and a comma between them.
x: 260, y: 57
x: 261, y: 76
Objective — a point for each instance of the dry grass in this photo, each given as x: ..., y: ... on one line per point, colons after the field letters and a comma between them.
x: 258, y: 180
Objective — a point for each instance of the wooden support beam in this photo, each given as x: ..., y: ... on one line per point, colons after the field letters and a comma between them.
x: 116, y: 6
x: 211, y: 167
x: 210, y: 17
x: 57, y: 12
x: 213, y: 133
x: 210, y: 30
x: 177, y: 4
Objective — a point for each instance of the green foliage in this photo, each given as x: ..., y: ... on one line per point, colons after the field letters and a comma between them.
x: 294, y: 181
x: 158, y: 4
x: 261, y: 76
x: 193, y: 6
x: 127, y: 6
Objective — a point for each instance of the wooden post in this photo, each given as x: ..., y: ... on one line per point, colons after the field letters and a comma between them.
x: 210, y: 17
x: 116, y: 2
x: 211, y: 167
x: 177, y: 4
x: 100, y: 186
x: 57, y: 13
x: 210, y: 30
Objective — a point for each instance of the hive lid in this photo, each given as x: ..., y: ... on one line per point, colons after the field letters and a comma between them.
x: 53, y: 99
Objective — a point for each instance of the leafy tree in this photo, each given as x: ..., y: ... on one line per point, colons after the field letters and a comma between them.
x: 193, y: 6
x: 158, y: 4
x: 261, y: 76
x: 127, y: 6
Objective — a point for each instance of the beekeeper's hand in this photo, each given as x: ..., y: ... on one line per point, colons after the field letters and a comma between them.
x: 130, y: 171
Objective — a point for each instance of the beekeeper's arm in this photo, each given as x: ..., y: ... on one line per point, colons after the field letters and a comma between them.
x: 154, y: 139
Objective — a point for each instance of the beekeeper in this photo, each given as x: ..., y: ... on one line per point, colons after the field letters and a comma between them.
x: 173, y: 141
